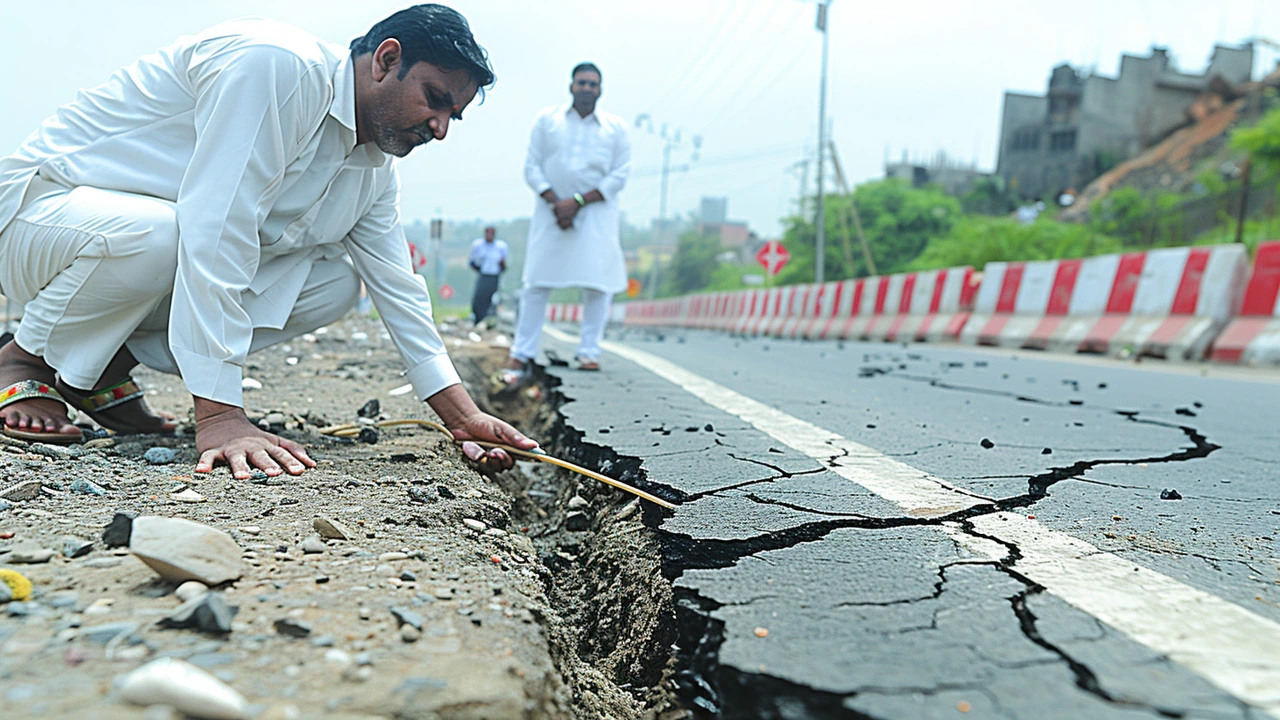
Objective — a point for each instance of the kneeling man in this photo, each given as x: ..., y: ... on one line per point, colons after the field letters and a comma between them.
x: 221, y: 195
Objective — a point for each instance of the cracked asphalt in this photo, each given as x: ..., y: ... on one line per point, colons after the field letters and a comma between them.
x: 802, y: 594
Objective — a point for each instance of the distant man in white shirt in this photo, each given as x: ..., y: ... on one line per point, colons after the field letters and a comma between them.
x: 578, y: 162
x: 488, y: 257
x: 221, y: 195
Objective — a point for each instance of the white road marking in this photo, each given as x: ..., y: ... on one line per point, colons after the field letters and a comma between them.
x: 1231, y: 647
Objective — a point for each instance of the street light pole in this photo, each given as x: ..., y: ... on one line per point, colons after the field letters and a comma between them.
x: 821, y: 220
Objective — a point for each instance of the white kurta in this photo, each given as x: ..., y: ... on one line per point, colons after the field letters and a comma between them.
x: 572, y: 154
x: 249, y: 127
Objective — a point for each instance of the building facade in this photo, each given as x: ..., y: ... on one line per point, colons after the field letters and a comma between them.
x: 1085, y: 124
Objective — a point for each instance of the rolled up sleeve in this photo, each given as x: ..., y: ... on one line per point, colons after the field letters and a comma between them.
x: 380, y: 253
x: 253, y: 105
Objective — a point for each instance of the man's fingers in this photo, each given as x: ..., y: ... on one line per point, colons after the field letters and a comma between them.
x: 298, y: 452
x: 500, y: 458
x: 239, y: 465
x: 473, y: 451
x: 286, y: 459
x: 261, y: 459
x: 208, y: 459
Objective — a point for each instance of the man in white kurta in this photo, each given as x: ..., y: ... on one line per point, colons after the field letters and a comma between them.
x: 220, y: 195
x: 578, y: 162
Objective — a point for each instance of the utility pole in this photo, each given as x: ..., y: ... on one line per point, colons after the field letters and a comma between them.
x: 823, y: 7
x: 644, y: 122
x: 662, y: 217
x: 853, y: 210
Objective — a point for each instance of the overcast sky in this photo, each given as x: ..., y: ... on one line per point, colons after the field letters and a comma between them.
x: 923, y: 75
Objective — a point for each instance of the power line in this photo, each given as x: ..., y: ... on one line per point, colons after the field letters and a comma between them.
x: 682, y: 77
x: 704, y: 90
x: 764, y: 87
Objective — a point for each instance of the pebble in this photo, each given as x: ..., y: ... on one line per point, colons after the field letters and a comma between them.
x: 187, y: 496
x: 185, y: 687
x: 1170, y: 494
x: 55, y: 451
x: 392, y: 556
x: 249, y: 529
x: 250, y: 384
x: 103, y: 634
x: 404, y: 616
x: 365, y: 613
x: 292, y: 628
x: 74, y: 547
x: 103, y: 562
x: 313, y: 546
x: 987, y: 444
x: 443, y: 593
x: 332, y: 529
x: 26, y: 490
x: 160, y: 455
x: 101, y: 606
x: 5, y: 505
x: 116, y: 533
x: 180, y: 550
x: 22, y: 609
x: 408, y: 576
x: 190, y: 590
x: 337, y: 657
x: 475, y: 524
x: 495, y: 532
x: 577, y: 502
x: 64, y: 600
x: 85, y: 487
x: 207, y: 612
x: 323, y: 641
x: 409, y: 633
x: 28, y: 552
x: 6, y: 594
x: 576, y: 521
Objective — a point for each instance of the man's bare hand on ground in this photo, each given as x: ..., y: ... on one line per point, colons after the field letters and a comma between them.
x: 224, y: 434
x: 465, y: 421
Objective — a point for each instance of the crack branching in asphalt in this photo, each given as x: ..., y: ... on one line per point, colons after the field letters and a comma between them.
x: 702, y: 634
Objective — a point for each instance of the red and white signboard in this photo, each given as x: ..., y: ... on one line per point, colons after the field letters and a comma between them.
x: 446, y: 292
x: 773, y: 256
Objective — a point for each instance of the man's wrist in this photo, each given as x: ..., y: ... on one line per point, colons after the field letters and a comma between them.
x: 577, y: 197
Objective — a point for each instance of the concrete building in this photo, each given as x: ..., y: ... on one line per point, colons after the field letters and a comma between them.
x: 954, y: 176
x: 1085, y: 124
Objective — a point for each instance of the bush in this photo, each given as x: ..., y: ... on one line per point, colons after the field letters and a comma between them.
x: 977, y: 241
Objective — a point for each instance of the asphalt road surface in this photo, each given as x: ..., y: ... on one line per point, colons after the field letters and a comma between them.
x: 875, y: 530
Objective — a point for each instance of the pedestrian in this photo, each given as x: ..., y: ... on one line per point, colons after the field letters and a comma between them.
x: 578, y: 161
x: 219, y: 196
x: 488, y: 258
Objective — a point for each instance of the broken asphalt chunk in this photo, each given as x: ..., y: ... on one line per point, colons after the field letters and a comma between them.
x: 207, y: 612
x: 181, y: 550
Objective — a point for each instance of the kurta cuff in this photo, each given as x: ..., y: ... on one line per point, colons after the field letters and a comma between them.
x: 210, y: 378
x: 433, y: 375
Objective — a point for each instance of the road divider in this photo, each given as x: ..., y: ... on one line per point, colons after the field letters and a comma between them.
x: 1253, y: 338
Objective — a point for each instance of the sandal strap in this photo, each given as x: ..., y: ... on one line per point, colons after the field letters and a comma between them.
x: 122, y: 392
x: 26, y: 390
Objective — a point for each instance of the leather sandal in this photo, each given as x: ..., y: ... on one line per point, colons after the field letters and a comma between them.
x: 97, y: 405
x: 28, y: 390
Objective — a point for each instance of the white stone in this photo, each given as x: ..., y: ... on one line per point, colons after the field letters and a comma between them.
x: 475, y: 524
x: 187, y: 688
x: 332, y: 529
x: 187, y: 496
x: 180, y: 550
x: 250, y: 384
x: 190, y: 590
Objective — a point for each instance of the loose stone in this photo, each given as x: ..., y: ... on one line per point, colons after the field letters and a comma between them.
x: 409, y: 633
x: 74, y: 547
x: 116, y: 533
x: 190, y: 590
x: 85, y: 487
x: 28, y: 552
x: 180, y: 550
x: 313, y: 546
x: 207, y: 612
x: 160, y: 455
x: 187, y: 496
x: 292, y: 628
x: 577, y: 502
x: 475, y: 524
x: 187, y: 688
x: 332, y: 529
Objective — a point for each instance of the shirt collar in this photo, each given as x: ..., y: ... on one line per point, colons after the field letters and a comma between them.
x: 343, y: 110
x: 593, y: 117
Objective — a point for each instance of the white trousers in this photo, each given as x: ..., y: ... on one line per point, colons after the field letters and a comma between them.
x: 95, y: 269
x: 533, y: 310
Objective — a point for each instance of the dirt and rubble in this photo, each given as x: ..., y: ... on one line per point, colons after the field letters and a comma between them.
x: 532, y: 594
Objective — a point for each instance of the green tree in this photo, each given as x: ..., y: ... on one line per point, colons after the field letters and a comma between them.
x: 1262, y: 141
x: 898, y: 221
x: 692, y: 266
x: 977, y: 240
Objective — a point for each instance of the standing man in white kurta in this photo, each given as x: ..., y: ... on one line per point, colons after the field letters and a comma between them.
x: 215, y: 197
x: 578, y: 162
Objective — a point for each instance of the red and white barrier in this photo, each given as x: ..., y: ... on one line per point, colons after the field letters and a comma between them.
x: 924, y: 306
x: 1254, y: 337
x: 564, y: 312
x: 1167, y: 303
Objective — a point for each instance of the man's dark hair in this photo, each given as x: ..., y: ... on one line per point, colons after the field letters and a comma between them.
x: 431, y: 33
x: 586, y: 66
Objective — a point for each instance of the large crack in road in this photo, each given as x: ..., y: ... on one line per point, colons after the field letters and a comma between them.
x: 718, y: 691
